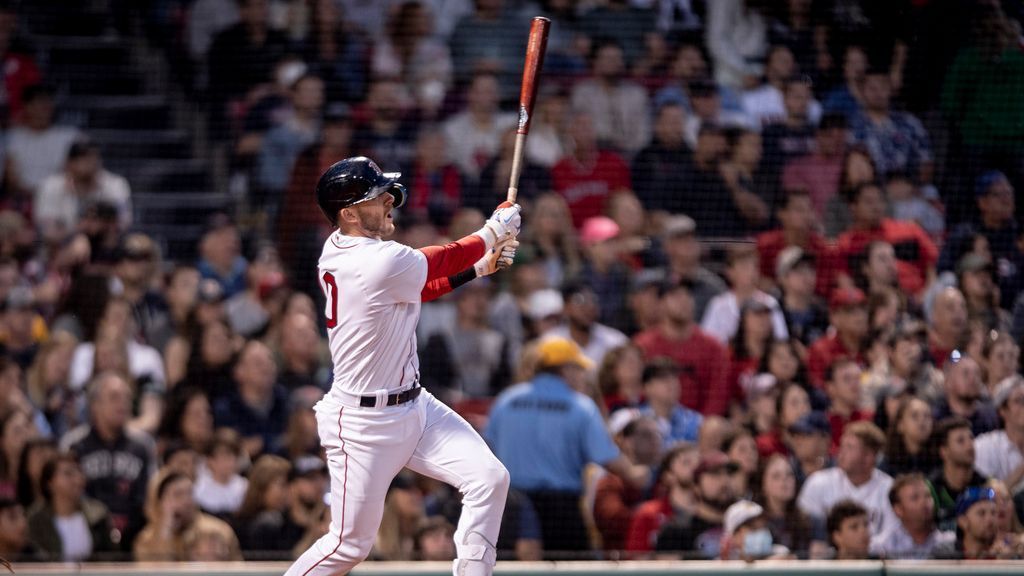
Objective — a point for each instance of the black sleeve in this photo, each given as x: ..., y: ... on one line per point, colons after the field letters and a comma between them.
x: 462, y: 277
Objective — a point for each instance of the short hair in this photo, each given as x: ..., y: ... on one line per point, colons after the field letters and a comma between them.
x: 660, y: 367
x: 93, y: 388
x: 670, y: 456
x: 836, y: 364
x: 792, y: 194
x: 870, y: 436
x: 738, y: 252
x: 600, y: 43
x: 901, y: 482
x: 945, y: 427
x: 852, y: 195
x: 225, y: 439
x: 841, y: 512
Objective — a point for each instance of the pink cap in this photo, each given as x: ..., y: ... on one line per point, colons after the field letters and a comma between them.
x: 598, y: 229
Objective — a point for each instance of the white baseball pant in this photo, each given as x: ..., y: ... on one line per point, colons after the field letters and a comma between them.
x: 367, y: 447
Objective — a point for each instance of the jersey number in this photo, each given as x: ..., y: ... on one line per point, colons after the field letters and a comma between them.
x: 331, y: 293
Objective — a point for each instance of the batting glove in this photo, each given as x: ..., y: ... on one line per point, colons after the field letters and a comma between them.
x: 502, y: 225
x: 497, y: 258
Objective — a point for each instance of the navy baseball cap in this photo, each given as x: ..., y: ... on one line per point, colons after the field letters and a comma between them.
x: 986, y: 180
x: 812, y: 423
x: 971, y: 496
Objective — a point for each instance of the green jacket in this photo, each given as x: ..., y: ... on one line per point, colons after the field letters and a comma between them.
x: 42, y: 530
x: 984, y: 97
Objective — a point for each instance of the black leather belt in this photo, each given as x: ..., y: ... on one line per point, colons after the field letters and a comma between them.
x: 393, y: 399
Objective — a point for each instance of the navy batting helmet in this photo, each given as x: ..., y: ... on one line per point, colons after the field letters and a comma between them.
x: 355, y: 180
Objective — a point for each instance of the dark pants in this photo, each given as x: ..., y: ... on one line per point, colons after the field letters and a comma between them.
x: 561, y: 523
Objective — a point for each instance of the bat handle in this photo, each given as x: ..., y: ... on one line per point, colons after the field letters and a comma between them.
x: 517, y: 168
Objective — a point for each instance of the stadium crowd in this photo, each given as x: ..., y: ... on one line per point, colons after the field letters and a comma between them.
x: 767, y: 302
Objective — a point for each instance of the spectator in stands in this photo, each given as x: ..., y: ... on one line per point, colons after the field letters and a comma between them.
x: 14, y: 536
x: 817, y: 173
x: 588, y: 175
x: 795, y: 274
x: 748, y: 349
x: 436, y: 187
x: 675, y: 482
x: 491, y: 39
x: 465, y: 358
x: 915, y: 536
x: 954, y: 443
x: 337, y: 52
x: 257, y: 407
x: 794, y: 136
x: 855, y: 476
x: 897, y: 140
x: 764, y: 103
x: 250, y: 311
x: 874, y: 270
x: 300, y: 436
x: 857, y: 168
x: 433, y: 540
x: 387, y: 133
x: 298, y: 129
x: 34, y: 455
x: 220, y: 255
x: 744, y: 176
x: 1001, y: 355
x: 136, y: 266
x: 791, y: 404
x: 63, y: 196
x: 722, y: 316
x: 698, y: 535
x: 661, y: 393
x: 282, y: 528
x: 473, y: 136
x: 797, y: 227
x: 994, y: 198
x: 300, y: 353
x: 774, y: 488
x: 618, y: 106
x: 176, y: 525
x: 542, y: 446
x: 604, y: 271
x: 219, y: 488
x: 999, y: 452
x: 16, y: 430
x: 746, y: 535
x: 947, y: 326
x: 36, y: 147
x: 846, y: 99
x: 976, y: 527
x: 659, y: 169
x: 68, y: 527
x: 739, y: 445
x: 21, y: 338
x: 206, y: 19
x: 737, y: 38
x: 842, y: 384
x: 849, y: 530
x: 106, y: 440
x: 210, y: 359
x: 707, y: 108
x: 241, y: 58
x: 640, y: 439
x: 1009, y: 530
x: 582, y: 309
x: 964, y: 395
x: 976, y: 280
x: 683, y: 255
x: 702, y: 360
x: 907, y: 441
x: 403, y: 511
x: 629, y: 25
x: 534, y: 180
x: 909, y: 201
x: 620, y: 378
x: 978, y: 95
x: 187, y: 419
x: 918, y: 254
x: 408, y: 51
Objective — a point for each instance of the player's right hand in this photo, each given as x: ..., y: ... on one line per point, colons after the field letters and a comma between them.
x: 505, y: 222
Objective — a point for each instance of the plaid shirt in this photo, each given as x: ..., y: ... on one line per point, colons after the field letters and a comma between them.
x: 897, y: 144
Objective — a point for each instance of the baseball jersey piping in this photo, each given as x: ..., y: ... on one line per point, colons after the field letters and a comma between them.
x: 344, y: 500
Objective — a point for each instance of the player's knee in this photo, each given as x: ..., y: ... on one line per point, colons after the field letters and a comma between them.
x: 495, y: 479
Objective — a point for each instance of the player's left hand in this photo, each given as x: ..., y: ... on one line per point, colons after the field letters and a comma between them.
x: 497, y: 258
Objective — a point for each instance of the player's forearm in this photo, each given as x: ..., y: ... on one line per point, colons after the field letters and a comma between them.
x: 436, y: 288
x: 453, y: 258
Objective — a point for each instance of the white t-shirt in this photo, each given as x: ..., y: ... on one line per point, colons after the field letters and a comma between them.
x: 372, y: 290
x: 471, y: 146
x: 216, y: 498
x: 765, y: 105
x: 826, y: 487
x: 142, y: 361
x: 722, y: 316
x: 36, y: 155
x: 995, y: 456
x: 602, y: 339
x: 57, y: 202
x: 74, y: 536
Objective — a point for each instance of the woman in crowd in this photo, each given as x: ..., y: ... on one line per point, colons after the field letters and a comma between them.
x: 793, y: 402
x: 1001, y: 356
x: 188, y: 419
x: 211, y: 360
x: 550, y: 236
x: 15, y: 431
x: 907, y: 446
x: 403, y: 511
x: 620, y: 377
x: 858, y: 168
x: 739, y: 445
x: 48, y: 383
x: 410, y: 52
x: 749, y: 347
x: 36, y: 453
x: 68, y: 526
x: 265, y: 502
x: 775, y: 490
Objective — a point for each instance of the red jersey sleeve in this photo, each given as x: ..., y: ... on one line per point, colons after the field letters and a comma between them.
x: 450, y: 259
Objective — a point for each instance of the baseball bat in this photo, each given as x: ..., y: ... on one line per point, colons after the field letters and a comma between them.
x: 528, y: 92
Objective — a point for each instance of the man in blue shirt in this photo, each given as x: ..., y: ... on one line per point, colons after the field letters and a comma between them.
x: 545, y: 432
x: 661, y: 394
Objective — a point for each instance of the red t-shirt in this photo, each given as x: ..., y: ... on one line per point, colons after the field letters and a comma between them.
x: 739, y: 370
x: 770, y: 443
x: 770, y: 244
x: 916, y: 254
x: 614, y: 503
x: 822, y: 353
x: 647, y: 521
x: 586, y: 188
x: 703, y: 368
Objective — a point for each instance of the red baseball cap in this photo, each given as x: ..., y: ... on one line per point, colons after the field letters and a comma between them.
x: 843, y: 297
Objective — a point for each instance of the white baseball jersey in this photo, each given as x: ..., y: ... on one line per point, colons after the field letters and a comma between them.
x: 372, y: 288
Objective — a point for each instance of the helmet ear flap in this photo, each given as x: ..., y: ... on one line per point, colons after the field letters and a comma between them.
x: 400, y: 194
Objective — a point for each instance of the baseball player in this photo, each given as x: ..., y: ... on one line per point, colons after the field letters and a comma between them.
x: 376, y: 419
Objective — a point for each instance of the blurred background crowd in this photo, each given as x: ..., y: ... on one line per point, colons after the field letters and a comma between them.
x: 767, y: 300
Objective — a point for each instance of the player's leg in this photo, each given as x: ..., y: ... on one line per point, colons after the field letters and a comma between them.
x: 364, y: 452
x: 450, y: 450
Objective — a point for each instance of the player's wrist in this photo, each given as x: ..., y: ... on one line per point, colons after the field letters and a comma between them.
x: 489, y: 233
